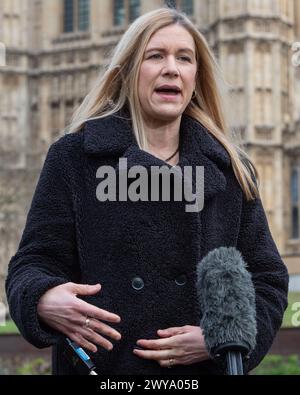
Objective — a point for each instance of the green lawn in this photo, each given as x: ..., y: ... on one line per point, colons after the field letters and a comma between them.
x: 287, y: 319
x: 278, y: 365
x: 8, y: 328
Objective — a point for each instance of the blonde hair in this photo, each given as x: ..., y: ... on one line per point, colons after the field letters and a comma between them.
x: 118, y: 87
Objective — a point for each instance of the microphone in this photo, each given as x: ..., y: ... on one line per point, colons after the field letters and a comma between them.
x: 227, y: 301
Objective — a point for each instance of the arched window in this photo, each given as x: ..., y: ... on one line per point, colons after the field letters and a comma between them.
x: 76, y: 15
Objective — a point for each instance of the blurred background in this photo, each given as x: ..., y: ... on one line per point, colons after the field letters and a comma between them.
x: 51, y: 52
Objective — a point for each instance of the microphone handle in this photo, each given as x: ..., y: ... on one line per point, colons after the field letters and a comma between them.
x: 234, y: 363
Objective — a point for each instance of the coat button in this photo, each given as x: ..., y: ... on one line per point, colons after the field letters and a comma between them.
x: 181, y: 280
x: 137, y: 283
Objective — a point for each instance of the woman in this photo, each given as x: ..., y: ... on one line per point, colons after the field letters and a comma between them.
x: 118, y: 275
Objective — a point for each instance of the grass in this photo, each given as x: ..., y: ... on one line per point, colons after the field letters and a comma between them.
x: 9, y: 328
x: 287, y: 319
x: 279, y: 365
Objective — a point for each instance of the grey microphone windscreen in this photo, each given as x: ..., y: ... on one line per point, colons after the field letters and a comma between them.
x: 227, y: 299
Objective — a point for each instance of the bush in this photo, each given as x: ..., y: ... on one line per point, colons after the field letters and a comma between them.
x: 37, y: 366
x: 279, y: 365
x: 19, y: 365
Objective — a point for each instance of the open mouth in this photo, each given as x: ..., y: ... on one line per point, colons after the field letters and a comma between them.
x: 168, y: 92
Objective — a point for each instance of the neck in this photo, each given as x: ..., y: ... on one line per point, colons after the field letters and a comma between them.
x: 163, y: 136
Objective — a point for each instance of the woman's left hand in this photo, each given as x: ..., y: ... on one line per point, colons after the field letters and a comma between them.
x: 178, y: 346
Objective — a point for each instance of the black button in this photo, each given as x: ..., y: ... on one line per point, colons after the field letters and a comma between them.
x: 181, y: 280
x: 137, y: 283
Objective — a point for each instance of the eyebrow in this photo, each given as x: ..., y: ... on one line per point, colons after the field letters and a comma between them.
x: 163, y: 50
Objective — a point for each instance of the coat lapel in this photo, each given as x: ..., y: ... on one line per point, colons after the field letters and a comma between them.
x: 113, y: 136
x: 200, y: 148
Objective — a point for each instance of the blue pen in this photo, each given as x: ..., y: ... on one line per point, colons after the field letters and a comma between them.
x: 79, y: 359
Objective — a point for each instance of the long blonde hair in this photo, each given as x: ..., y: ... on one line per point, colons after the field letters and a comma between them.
x: 118, y: 86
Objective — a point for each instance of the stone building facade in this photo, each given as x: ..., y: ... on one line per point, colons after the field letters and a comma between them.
x: 56, y: 48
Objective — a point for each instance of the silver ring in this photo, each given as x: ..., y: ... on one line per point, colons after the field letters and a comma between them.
x: 87, y: 322
x: 171, y: 360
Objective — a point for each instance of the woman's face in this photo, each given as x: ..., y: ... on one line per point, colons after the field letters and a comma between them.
x: 167, y: 74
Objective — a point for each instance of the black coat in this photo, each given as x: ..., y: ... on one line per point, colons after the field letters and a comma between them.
x: 71, y: 236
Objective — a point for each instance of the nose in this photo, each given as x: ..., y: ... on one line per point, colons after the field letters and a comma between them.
x: 170, y: 66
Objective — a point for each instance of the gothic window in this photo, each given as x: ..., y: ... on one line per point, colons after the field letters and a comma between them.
x: 186, y: 6
x: 295, y: 202
x: 119, y: 12
x: 126, y: 11
x: 134, y: 9
x: 171, y: 3
x: 83, y: 15
x: 234, y: 65
x: 263, y: 67
x: 263, y: 84
x: 68, y: 15
x: 76, y: 15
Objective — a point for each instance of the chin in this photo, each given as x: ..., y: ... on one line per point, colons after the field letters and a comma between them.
x: 168, y: 114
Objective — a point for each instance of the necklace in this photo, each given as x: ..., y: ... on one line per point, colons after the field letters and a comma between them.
x: 167, y: 160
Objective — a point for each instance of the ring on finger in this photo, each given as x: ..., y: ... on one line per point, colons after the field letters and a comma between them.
x: 87, y: 322
x: 171, y: 362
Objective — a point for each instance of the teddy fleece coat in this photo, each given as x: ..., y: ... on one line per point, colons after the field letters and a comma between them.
x: 144, y: 253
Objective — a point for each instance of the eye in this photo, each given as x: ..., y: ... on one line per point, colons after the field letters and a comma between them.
x: 185, y: 58
x: 155, y: 56
x: 158, y: 56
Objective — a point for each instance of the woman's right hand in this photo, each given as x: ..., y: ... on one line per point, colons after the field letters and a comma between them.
x: 60, y: 308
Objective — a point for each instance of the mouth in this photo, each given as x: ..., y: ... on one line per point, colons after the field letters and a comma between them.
x: 168, y: 93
